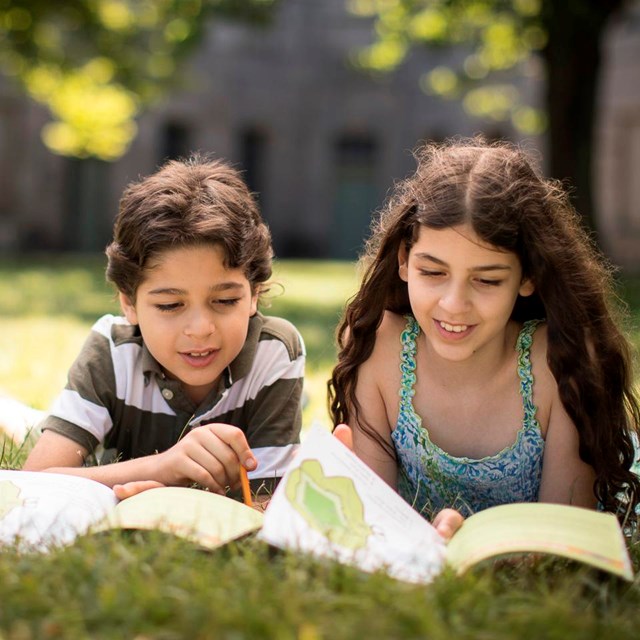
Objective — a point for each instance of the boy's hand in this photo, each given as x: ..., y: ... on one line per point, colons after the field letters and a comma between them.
x: 129, y: 489
x: 209, y: 455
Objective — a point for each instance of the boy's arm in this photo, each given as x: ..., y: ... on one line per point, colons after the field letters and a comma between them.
x: 208, y: 455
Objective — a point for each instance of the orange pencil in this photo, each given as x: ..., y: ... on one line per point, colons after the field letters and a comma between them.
x: 246, y: 490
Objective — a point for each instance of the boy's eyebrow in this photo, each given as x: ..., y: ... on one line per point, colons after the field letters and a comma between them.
x: 485, y: 267
x: 173, y: 291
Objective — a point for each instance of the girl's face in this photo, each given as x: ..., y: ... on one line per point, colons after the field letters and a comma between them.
x: 193, y: 314
x: 462, y: 290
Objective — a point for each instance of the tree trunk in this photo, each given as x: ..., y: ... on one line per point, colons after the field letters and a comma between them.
x: 572, y: 63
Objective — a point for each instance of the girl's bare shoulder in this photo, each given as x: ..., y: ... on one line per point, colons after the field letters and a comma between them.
x: 387, y: 342
x: 389, y: 332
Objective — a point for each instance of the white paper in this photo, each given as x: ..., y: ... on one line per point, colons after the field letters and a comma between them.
x: 39, y: 510
x: 329, y: 503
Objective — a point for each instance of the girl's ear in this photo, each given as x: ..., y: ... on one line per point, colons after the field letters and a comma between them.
x: 403, y: 259
x: 128, y: 308
x: 254, y: 303
x: 526, y: 287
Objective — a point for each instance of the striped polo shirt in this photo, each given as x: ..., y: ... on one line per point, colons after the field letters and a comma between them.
x: 118, y: 396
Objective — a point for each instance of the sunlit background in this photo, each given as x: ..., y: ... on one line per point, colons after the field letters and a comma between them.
x: 319, y: 102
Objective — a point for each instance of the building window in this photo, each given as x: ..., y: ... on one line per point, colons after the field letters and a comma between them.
x: 253, y: 149
x: 88, y: 220
x: 356, y: 194
x: 175, y: 142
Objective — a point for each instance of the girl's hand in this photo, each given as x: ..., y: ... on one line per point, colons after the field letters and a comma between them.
x: 209, y: 455
x: 345, y: 435
x: 447, y: 522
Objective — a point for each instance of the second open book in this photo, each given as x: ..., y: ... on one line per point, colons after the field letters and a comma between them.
x: 329, y: 503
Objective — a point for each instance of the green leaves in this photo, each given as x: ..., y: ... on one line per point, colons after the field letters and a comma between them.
x: 95, y: 64
x: 498, y: 35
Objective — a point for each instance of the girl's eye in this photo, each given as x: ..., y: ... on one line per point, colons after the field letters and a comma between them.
x: 489, y: 283
x: 431, y: 274
x: 168, y: 307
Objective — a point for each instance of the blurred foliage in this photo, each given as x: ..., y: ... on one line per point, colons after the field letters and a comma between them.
x: 496, y: 36
x: 95, y: 64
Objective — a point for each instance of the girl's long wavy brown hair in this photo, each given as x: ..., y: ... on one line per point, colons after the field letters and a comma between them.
x: 497, y: 189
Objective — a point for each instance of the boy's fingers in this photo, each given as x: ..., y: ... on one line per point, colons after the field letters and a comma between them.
x: 345, y: 435
x: 129, y: 489
x: 235, y: 438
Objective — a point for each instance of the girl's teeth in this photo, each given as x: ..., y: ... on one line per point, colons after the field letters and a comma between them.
x: 458, y: 328
x: 200, y: 355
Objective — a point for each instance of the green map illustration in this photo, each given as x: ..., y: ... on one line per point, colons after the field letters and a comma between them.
x: 330, y: 505
x: 9, y: 497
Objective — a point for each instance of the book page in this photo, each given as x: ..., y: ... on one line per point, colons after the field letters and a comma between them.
x: 39, y: 510
x: 584, y: 535
x: 329, y: 503
x: 205, y: 518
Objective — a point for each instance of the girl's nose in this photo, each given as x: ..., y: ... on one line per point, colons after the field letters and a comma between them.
x: 455, y: 299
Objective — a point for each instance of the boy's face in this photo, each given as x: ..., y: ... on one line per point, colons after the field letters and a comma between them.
x: 193, y: 314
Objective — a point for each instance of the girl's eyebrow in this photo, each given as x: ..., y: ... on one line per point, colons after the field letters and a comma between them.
x: 172, y: 291
x: 485, y: 267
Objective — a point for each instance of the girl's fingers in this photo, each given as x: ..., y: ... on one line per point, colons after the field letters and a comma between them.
x: 447, y: 522
x: 345, y: 435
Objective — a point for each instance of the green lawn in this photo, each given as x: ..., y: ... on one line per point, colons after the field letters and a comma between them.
x: 151, y: 586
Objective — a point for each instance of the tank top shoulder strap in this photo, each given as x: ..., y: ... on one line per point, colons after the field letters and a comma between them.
x: 523, y: 350
x: 408, y: 360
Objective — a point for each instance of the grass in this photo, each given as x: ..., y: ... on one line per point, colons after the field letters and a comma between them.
x: 152, y: 586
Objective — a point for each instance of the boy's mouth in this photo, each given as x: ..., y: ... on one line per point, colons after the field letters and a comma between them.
x: 199, y: 358
x: 199, y: 354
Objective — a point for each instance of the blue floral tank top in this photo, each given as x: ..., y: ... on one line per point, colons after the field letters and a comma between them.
x: 431, y: 479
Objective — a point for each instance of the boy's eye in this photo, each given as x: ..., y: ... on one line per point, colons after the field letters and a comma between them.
x: 227, y: 302
x: 168, y: 307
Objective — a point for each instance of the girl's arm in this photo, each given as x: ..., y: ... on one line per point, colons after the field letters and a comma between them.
x: 566, y: 479
x: 371, y: 428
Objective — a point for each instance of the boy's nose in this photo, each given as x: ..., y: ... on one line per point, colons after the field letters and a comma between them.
x: 200, y: 323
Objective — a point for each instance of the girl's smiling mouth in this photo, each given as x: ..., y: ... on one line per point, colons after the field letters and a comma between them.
x: 453, y: 331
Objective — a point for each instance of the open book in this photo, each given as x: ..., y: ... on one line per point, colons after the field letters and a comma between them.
x: 39, y: 510
x: 329, y: 503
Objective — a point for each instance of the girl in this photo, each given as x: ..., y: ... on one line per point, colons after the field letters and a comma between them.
x: 480, y: 362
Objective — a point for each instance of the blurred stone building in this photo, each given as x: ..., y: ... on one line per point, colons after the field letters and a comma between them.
x: 320, y: 143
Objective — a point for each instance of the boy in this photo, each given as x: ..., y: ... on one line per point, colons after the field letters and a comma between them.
x: 193, y: 381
